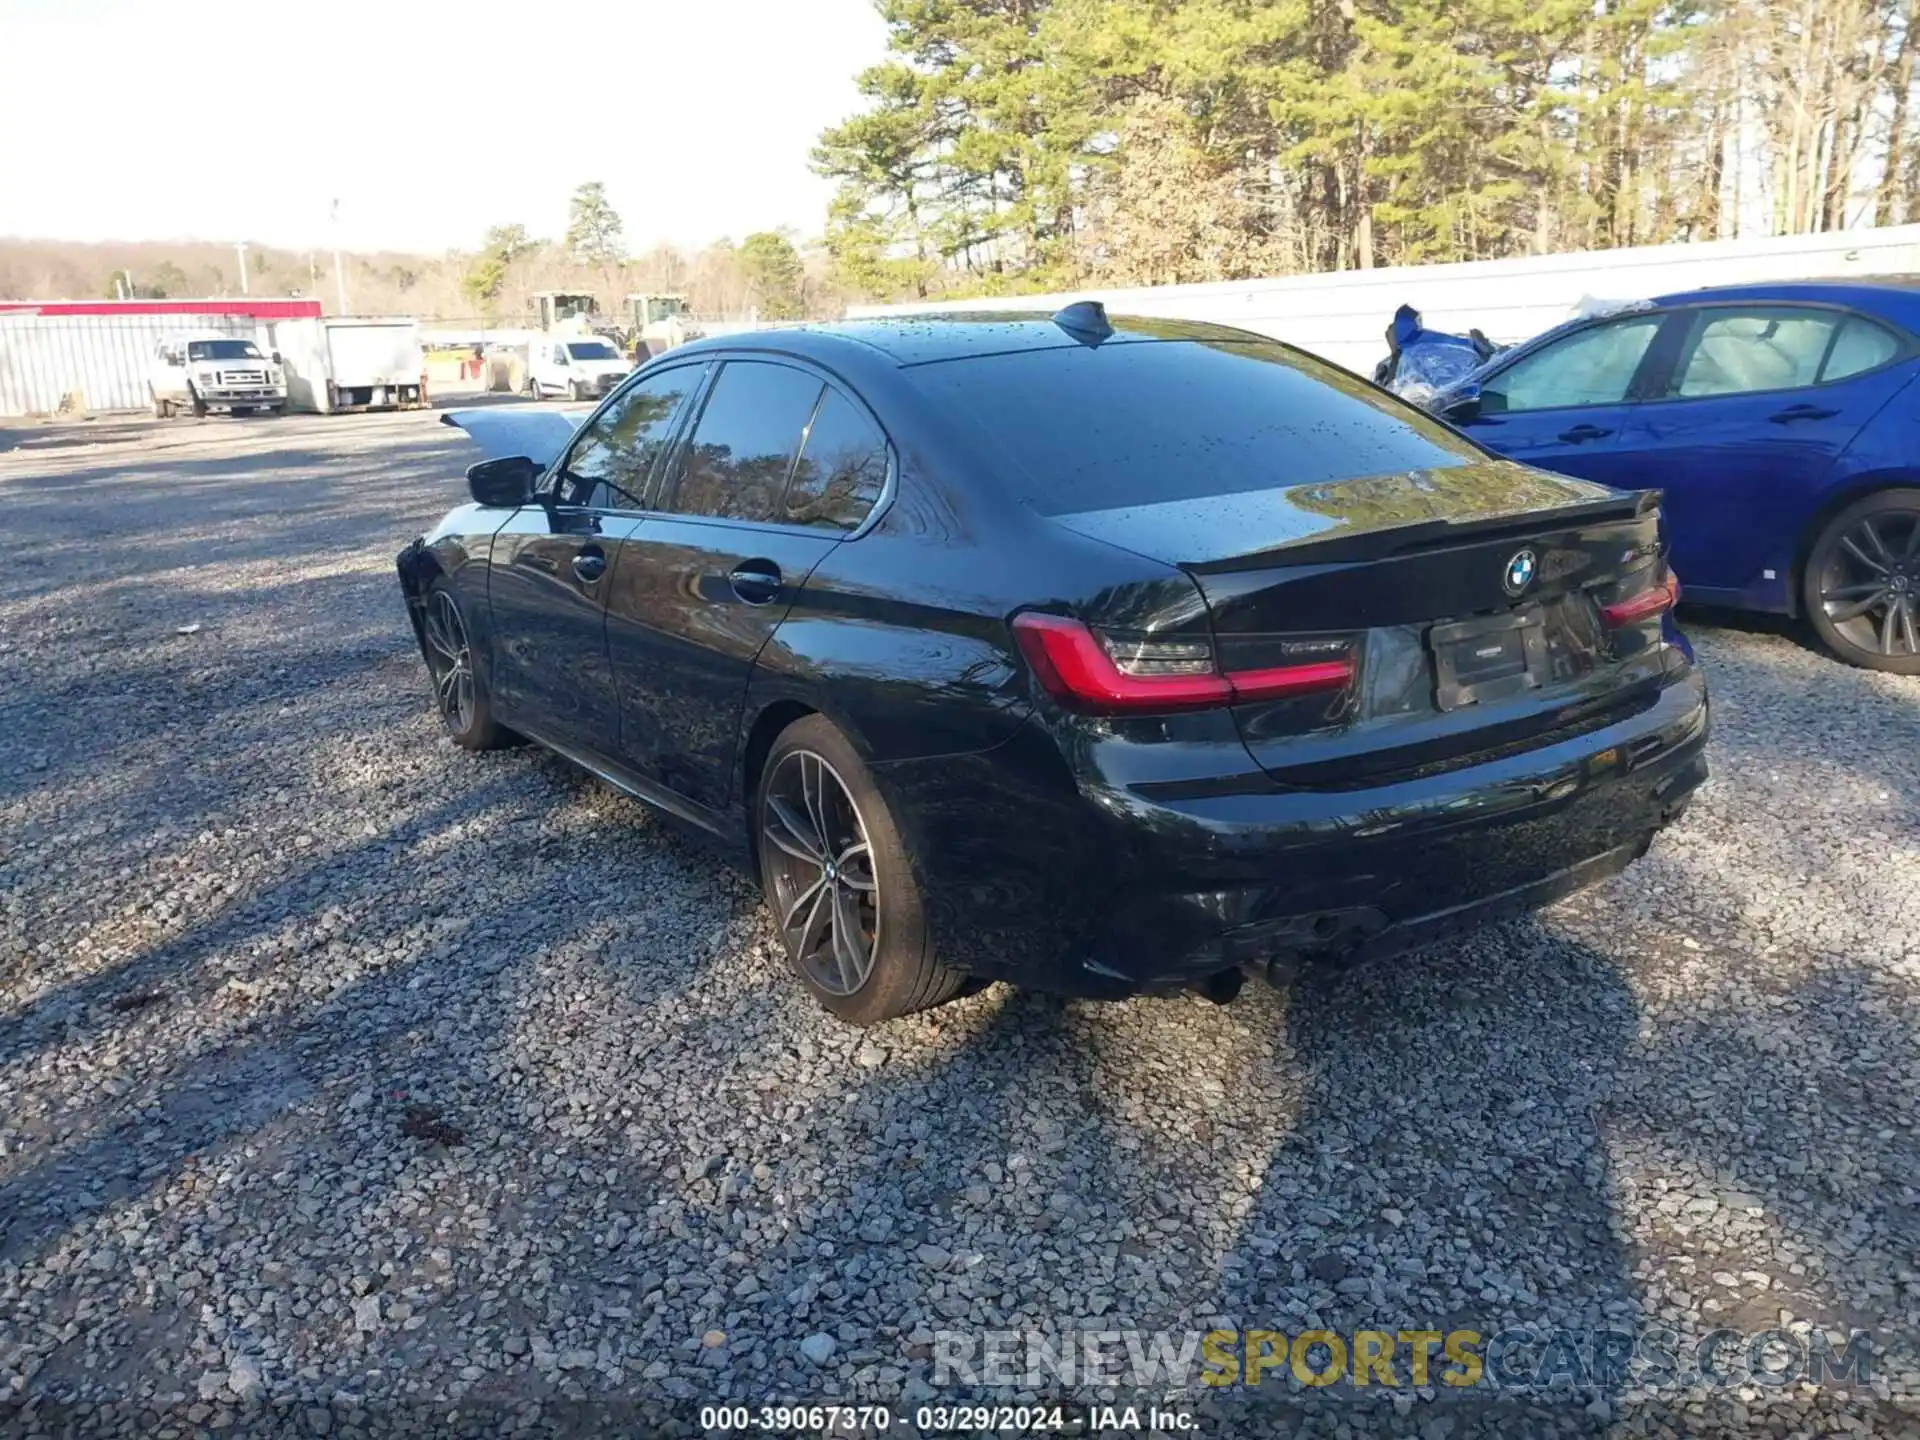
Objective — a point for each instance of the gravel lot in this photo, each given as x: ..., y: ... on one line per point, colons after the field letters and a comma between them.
x: 352, y: 1083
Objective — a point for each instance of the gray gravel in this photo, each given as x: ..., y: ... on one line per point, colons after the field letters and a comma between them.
x: 350, y: 1083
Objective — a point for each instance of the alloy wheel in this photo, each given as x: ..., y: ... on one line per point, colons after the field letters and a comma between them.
x: 450, y: 659
x: 1870, y: 588
x: 818, y: 866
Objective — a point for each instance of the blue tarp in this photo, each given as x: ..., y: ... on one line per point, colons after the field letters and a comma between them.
x: 1421, y: 362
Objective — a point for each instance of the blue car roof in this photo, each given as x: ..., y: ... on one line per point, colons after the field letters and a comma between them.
x: 1897, y: 298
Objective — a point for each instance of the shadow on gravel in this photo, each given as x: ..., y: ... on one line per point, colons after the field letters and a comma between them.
x: 207, y: 1100
x: 1332, y: 1160
x: 237, y: 673
x: 1448, y: 1143
x: 405, y: 1072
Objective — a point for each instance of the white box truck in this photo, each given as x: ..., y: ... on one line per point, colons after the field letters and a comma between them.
x: 352, y: 362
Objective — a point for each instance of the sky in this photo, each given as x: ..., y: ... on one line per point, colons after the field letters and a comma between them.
x: 428, y: 122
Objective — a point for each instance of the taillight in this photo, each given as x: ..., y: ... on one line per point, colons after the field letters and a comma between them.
x: 1635, y: 608
x: 1087, y: 671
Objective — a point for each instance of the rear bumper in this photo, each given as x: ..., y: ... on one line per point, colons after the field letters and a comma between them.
x: 1102, y: 893
x: 1470, y: 915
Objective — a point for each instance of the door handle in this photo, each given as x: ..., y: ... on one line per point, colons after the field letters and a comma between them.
x: 757, y: 582
x: 589, y: 566
x: 1580, y: 434
x: 1802, y: 412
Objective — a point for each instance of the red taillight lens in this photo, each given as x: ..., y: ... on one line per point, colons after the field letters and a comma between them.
x: 1635, y: 608
x: 1080, y: 671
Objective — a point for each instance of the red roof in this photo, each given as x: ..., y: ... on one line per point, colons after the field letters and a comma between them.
x: 257, y: 309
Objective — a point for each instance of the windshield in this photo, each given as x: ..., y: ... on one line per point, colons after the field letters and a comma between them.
x: 592, y: 350
x: 1146, y: 422
x: 222, y: 350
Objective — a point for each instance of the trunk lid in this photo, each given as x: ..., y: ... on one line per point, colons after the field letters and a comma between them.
x: 1469, y: 600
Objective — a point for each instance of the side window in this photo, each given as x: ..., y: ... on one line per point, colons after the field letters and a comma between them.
x: 1861, y: 346
x: 1593, y: 367
x: 842, y: 467
x: 1733, y: 352
x: 611, y: 458
x: 735, y: 467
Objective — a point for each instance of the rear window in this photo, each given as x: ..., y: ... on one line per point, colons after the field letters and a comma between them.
x: 1145, y: 422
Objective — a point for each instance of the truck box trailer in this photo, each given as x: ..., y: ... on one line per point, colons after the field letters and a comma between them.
x: 352, y: 362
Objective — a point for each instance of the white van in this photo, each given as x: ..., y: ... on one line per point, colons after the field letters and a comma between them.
x: 580, y: 369
x: 214, y: 372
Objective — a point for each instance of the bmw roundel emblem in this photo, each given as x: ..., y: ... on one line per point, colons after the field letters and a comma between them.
x: 1519, y: 572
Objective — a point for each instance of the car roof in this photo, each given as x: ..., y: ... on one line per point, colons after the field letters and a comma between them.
x: 956, y: 335
x: 1897, y: 297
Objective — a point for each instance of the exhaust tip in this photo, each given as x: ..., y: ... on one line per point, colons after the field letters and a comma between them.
x: 1223, y: 986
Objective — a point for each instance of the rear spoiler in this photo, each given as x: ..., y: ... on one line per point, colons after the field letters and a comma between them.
x: 1339, y: 548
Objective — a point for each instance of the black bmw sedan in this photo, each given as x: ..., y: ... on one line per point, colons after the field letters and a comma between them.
x: 1101, y: 656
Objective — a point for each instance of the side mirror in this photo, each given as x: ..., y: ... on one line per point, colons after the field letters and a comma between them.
x: 505, y: 481
x: 1463, y: 404
x: 276, y: 358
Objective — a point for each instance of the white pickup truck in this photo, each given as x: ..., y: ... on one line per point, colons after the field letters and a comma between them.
x: 214, y: 372
x: 583, y: 368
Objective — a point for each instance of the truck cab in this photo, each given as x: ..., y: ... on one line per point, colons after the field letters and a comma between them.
x: 210, y: 371
x: 580, y: 367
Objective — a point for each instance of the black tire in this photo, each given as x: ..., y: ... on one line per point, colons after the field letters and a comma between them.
x: 459, y: 690
x: 574, y: 392
x: 863, y: 858
x: 1861, y: 587
x: 161, y: 409
x: 533, y: 385
x: 277, y: 409
x: 199, y: 405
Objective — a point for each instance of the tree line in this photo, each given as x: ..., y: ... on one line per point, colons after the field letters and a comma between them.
x: 1010, y: 145
x: 765, y: 273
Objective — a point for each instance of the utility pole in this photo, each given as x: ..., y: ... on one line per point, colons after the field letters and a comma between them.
x: 339, y: 274
x: 240, y: 249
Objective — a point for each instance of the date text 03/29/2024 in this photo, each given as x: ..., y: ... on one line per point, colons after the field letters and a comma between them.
x: 951, y: 1419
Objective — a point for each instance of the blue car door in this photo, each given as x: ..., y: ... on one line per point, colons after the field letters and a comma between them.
x: 1760, y: 402
x: 1563, y: 405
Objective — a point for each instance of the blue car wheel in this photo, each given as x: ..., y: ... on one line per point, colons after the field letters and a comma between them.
x: 1863, y: 583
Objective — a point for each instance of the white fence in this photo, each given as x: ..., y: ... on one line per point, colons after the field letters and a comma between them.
x: 1343, y: 316
x: 91, y: 362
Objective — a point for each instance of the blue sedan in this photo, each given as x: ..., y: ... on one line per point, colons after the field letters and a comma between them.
x: 1783, y: 423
